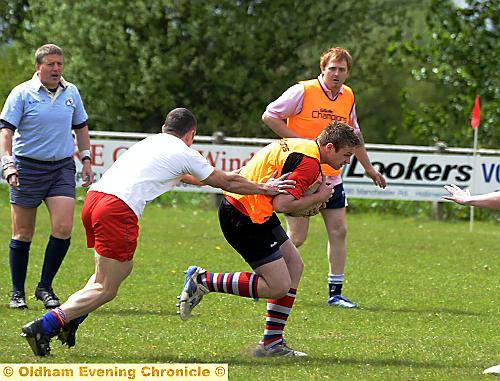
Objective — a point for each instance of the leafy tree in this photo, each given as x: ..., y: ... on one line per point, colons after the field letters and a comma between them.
x: 13, y: 17
x: 12, y: 72
x: 134, y: 60
x: 459, y: 54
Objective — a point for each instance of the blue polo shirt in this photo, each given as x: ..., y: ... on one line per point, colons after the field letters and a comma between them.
x: 43, y: 122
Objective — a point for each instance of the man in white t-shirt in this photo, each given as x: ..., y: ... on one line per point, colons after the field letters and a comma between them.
x: 113, y: 207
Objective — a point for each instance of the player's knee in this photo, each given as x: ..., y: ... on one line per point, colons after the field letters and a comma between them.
x: 298, y: 239
x: 299, y: 266
x: 105, y: 293
x: 339, y: 232
x: 280, y: 289
x: 62, y: 230
x: 278, y: 293
x: 24, y: 235
x: 109, y: 294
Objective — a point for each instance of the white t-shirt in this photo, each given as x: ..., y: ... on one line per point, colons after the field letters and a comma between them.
x: 150, y: 168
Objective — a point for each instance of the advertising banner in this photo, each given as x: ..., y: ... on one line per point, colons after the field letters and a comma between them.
x: 410, y: 176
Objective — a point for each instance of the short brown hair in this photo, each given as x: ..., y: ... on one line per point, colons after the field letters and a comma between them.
x: 341, y: 135
x: 338, y: 54
x: 46, y: 50
x: 179, y: 122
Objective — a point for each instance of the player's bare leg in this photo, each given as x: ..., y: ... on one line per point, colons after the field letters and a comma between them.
x: 335, y: 223
x: 101, y: 288
x: 297, y: 228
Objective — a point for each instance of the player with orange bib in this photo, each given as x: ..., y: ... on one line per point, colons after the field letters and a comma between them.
x: 250, y: 225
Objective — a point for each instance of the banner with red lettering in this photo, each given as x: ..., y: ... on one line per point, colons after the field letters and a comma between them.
x: 410, y: 176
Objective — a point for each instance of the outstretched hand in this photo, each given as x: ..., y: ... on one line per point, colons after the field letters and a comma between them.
x: 377, y: 178
x: 457, y: 195
x: 275, y: 186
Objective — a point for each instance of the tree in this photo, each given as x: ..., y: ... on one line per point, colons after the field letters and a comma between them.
x: 461, y: 57
x: 13, y: 17
x: 12, y: 72
x: 226, y: 59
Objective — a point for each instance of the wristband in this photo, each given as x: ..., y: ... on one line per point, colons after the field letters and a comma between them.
x: 6, y: 160
x: 85, y: 154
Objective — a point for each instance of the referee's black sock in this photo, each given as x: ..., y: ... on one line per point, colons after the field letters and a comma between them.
x: 54, y: 255
x: 18, y: 258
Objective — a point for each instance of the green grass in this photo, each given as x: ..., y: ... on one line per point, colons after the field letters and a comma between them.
x: 429, y: 294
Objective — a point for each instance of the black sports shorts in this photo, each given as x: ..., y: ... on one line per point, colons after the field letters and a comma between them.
x: 258, y: 244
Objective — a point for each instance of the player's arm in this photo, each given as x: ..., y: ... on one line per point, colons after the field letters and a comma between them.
x: 8, y: 168
x: 362, y: 156
x: 305, y: 171
x: 83, y: 142
x: 190, y: 179
x: 278, y: 126
x: 287, y: 105
x: 235, y: 183
x: 287, y: 203
x: 487, y: 200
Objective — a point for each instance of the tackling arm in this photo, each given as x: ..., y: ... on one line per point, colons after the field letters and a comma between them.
x: 233, y: 182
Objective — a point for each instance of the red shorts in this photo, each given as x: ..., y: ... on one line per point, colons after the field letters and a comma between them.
x: 111, y: 226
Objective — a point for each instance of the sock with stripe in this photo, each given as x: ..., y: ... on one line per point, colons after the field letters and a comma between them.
x: 241, y: 283
x: 335, y: 282
x: 53, y: 321
x: 278, y: 311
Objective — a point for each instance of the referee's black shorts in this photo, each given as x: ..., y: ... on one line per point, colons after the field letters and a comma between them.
x: 41, y: 179
x: 258, y: 244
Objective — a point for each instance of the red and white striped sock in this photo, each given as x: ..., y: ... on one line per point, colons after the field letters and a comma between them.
x: 278, y: 311
x: 241, y: 283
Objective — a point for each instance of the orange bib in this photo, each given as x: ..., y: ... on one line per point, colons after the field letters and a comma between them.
x: 261, y: 167
x: 318, y: 111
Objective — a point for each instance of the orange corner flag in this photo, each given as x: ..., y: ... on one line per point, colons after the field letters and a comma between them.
x: 476, y: 114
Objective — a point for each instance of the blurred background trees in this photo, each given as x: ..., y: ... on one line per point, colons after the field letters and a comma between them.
x: 417, y: 64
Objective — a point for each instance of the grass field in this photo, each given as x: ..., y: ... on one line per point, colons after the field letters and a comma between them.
x: 429, y: 293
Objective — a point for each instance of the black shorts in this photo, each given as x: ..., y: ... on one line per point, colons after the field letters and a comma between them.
x: 41, y: 179
x: 338, y: 199
x: 258, y: 244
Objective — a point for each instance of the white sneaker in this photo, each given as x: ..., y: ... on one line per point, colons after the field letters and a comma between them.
x: 341, y: 301
x: 492, y: 370
x: 192, y: 292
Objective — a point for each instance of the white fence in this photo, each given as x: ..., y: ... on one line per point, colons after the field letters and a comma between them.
x: 412, y: 172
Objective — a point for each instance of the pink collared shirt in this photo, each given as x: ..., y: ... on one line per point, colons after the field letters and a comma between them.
x: 290, y: 103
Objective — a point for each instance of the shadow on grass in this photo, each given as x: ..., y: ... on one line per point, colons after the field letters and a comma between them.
x: 134, y: 312
x: 246, y: 360
x: 422, y: 311
x: 404, y: 310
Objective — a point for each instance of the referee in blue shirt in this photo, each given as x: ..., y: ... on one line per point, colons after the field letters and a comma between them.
x: 36, y: 140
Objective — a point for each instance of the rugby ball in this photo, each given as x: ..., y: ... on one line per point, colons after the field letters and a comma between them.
x: 310, y: 211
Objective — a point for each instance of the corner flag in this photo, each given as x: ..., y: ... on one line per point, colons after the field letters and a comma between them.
x: 476, y: 114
